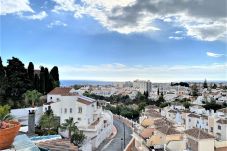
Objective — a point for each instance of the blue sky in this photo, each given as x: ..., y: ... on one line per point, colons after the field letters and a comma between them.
x: 118, y: 40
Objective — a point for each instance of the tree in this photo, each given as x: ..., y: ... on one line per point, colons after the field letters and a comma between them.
x: 3, y: 80
x: 55, y: 76
x: 31, y: 73
x: 42, y: 80
x: 48, y: 83
x: 214, y: 86
x: 158, y: 91
x: 78, y: 138
x: 36, y: 82
x: 194, y: 90
x: 17, y: 77
x: 69, y: 125
x: 33, y: 96
x: 205, y: 84
x: 48, y: 121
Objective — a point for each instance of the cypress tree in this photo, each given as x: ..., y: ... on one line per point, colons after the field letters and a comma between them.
x: 3, y: 80
x: 48, y: 83
x: 31, y: 73
x: 36, y: 82
x: 42, y: 80
x: 54, y: 76
x: 205, y: 84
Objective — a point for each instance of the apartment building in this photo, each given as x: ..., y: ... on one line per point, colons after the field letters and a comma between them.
x: 142, y: 86
x: 91, y: 119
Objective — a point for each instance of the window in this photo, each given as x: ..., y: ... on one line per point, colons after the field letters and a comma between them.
x: 211, y: 129
x: 79, y: 119
x: 189, y: 120
x: 65, y: 110
x: 219, y: 127
x: 80, y: 110
x: 61, y: 110
x: 51, y: 98
x: 71, y: 110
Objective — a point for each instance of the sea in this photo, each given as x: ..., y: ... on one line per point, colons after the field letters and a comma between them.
x: 66, y: 83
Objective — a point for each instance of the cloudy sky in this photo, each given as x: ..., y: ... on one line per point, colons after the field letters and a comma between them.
x: 118, y: 40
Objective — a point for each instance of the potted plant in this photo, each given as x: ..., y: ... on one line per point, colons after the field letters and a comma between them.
x: 8, y: 127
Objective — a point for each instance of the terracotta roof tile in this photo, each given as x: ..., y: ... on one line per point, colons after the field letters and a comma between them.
x: 198, y: 133
x: 224, y: 110
x: 168, y: 130
x: 147, y: 132
x: 60, y: 90
x: 222, y: 121
x: 84, y: 101
x: 194, y: 115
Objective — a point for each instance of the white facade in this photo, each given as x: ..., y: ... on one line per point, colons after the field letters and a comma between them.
x: 91, y: 119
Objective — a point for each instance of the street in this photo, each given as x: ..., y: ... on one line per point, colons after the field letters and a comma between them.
x: 117, y: 143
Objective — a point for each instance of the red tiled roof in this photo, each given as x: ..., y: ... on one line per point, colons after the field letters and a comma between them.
x: 224, y: 110
x: 60, y: 91
x: 147, y: 132
x: 198, y: 133
x: 194, y: 115
x: 168, y: 130
x: 222, y: 121
x: 84, y: 101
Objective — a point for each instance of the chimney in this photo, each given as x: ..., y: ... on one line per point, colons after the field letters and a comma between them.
x: 31, y: 122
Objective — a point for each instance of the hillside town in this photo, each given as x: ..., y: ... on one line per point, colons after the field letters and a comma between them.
x: 174, y: 126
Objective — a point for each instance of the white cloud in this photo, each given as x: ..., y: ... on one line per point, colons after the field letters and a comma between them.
x: 161, y: 73
x: 14, y: 6
x: 202, y: 19
x: 216, y: 55
x: 178, y: 32
x: 56, y: 23
x: 38, y: 16
x: 176, y: 37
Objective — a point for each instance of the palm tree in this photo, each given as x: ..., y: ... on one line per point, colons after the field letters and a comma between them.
x: 32, y: 95
x: 70, y: 126
x: 48, y: 121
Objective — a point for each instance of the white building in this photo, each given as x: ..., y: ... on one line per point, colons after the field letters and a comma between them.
x: 142, y: 86
x: 95, y: 123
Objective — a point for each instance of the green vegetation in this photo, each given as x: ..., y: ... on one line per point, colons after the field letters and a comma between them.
x: 69, y: 125
x: 33, y: 96
x: 75, y: 135
x: 48, y: 124
x: 5, y: 113
x: 185, y: 84
x: 205, y: 84
x: 15, y: 80
x: 212, y: 105
x: 195, y: 90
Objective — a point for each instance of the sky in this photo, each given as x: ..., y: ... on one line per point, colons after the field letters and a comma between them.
x: 109, y: 40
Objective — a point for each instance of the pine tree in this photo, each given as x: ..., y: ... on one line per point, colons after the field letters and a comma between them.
x: 18, y: 81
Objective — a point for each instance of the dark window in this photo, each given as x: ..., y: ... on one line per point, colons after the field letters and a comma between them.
x: 71, y: 110
x: 65, y: 110
x: 211, y: 129
x: 80, y: 110
x: 219, y: 127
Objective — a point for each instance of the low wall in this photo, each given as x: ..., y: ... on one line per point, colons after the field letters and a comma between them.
x: 130, y: 124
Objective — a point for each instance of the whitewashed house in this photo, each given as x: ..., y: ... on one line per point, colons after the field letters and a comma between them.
x: 91, y: 119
